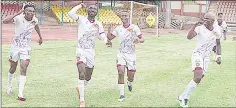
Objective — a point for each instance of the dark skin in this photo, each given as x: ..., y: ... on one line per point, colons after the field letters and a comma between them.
x: 208, y: 23
x: 29, y: 13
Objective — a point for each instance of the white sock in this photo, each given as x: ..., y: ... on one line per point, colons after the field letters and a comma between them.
x: 189, y: 89
x: 85, y: 82
x: 21, y: 85
x: 129, y: 83
x: 122, y: 89
x: 81, y: 89
x: 10, y: 77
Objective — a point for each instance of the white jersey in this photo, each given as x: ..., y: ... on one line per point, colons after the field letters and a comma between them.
x: 127, y: 37
x: 223, y: 26
x: 23, y: 31
x: 206, y: 39
x: 88, y: 31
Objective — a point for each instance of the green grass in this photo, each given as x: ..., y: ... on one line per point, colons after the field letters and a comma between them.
x: 163, y: 71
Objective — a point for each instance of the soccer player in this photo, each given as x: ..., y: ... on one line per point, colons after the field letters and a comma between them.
x: 129, y: 35
x: 207, y: 37
x: 20, y: 47
x: 88, y: 29
x: 222, y: 24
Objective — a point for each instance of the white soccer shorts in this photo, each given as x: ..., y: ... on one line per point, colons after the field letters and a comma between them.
x: 199, y: 61
x: 86, y: 56
x: 17, y: 53
x: 129, y: 60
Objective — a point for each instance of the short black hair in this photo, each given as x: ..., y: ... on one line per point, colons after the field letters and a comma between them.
x: 220, y: 14
x: 29, y: 5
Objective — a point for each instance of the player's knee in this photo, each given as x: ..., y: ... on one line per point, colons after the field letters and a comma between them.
x: 24, y: 67
x: 197, y: 80
x: 131, y: 79
x: 12, y: 69
x: 121, y: 73
x: 81, y: 76
x: 121, y: 69
x: 87, y: 78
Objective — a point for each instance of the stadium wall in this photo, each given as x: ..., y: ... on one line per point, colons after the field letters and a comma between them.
x: 196, y: 9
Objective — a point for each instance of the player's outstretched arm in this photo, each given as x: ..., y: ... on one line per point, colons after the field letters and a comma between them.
x: 10, y: 18
x: 39, y: 33
x: 72, y: 12
x: 218, y: 51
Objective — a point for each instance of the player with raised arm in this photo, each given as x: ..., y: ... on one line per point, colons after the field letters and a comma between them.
x: 207, y: 37
x: 129, y: 35
x: 88, y: 29
x: 20, y: 47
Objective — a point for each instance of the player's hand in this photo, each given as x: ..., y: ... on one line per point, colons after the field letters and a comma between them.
x: 200, y: 22
x: 218, y: 60
x: 224, y: 38
x: 40, y: 41
x: 136, y: 41
x: 109, y: 44
x: 83, y: 5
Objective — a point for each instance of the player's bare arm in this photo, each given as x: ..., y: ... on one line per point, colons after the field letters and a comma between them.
x: 39, y: 33
x: 72, y: 12
x: 192, y: 33
x: 110, y: 36
x: 218, y: 51
x: 9, y: 19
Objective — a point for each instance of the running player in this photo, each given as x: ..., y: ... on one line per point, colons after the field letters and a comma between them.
x: 20, y: 47
x: 208, y: 36
x: 88, y: 30
x: 222, y: 24
x: 129, y: 34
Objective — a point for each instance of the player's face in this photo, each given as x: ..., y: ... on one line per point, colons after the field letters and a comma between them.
x: 125, y: 18
x: 208, y: 20
x: 92, y: 10
x: 220, y: 17
x: 29, y: 13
